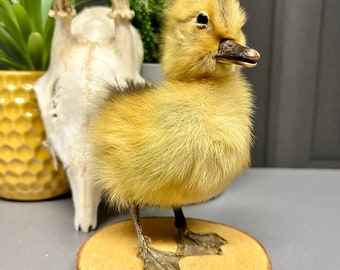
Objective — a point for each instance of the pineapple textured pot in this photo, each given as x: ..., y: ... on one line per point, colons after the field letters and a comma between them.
x: 26, y: 165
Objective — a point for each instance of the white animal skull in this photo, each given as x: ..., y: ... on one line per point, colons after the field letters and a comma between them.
x: 97, y: 47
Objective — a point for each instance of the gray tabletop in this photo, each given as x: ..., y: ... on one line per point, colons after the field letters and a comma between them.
x: 294, y: 213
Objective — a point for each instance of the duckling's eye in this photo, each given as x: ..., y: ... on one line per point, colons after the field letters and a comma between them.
x: 202, y: 19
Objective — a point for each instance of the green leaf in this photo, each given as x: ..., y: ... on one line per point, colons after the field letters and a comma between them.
x: 13, y: 48
x: 33, y: 9
x: 47, y: 37
x: 48, y: 27
x: 35, y: 49
x: 23, y: 20
x: 6, y: 60
x: 11, y: 27
x: 7, y: 7
x: 46, y: 6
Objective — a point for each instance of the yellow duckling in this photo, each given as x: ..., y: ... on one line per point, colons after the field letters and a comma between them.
x: 184, y: 141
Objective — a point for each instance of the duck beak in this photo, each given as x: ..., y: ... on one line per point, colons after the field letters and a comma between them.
x: 231, y: 52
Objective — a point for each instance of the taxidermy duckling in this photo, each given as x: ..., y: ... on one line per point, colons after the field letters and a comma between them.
x: 184, y: 141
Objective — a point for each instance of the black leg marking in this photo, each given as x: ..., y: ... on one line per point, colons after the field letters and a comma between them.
x: 191, y: 243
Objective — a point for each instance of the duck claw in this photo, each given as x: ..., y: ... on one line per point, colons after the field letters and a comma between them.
x: 197, y: 244
x: 159, y: 260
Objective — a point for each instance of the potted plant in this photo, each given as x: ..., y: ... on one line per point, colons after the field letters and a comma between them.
x: 148, y: 21
x: 26, y: 167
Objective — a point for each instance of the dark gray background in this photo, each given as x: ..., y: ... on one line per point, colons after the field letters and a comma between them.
x: 297, y: 82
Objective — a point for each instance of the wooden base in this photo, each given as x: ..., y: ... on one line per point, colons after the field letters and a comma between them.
x: 115, y: 247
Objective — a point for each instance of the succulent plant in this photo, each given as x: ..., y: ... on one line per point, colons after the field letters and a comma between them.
x: 26, y: 32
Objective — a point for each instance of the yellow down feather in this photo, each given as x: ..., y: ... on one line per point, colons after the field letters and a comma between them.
x: 184, y: 141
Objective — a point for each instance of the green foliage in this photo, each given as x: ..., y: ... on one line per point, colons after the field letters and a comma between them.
x: 148, y: 20
x: 26, y: 32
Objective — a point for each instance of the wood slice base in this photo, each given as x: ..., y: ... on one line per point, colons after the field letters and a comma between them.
x: 115, y: 247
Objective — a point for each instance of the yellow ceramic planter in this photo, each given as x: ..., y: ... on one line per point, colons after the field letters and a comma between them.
x: 26, y: 167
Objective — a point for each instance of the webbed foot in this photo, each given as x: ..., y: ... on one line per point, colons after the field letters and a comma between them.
x: 191, y: 244
x: 155, y: 259
x: 195, y: 244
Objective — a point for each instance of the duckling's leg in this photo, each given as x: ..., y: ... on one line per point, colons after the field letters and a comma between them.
x: 191, y: 244
x: 153, y: 259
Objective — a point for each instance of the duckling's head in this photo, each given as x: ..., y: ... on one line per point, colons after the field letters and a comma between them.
x: 204, y: 39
